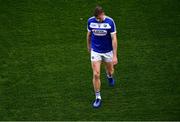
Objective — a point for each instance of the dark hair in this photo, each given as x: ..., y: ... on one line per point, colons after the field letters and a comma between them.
x: 98, y: 10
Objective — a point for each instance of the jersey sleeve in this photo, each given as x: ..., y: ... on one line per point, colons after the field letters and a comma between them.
x: 113, y: 27
x: 88, y: 26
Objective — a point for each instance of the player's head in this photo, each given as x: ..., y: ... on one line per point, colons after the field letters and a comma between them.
x: 99, y: 13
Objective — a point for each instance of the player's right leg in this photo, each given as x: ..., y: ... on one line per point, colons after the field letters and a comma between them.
x: 96, y: 66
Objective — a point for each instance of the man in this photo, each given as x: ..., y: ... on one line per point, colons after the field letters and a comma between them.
x: 102, y: 44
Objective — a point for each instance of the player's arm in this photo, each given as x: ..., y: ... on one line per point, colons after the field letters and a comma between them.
x: 89, y: 41
x: 114, y: 45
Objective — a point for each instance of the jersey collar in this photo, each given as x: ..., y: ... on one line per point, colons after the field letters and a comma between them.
x: 103, y: 19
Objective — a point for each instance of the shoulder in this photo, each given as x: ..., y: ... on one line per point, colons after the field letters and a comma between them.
x: 109, y: 19
x: 91, y: 19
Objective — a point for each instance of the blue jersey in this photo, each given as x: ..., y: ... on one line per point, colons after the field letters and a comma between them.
x: 101, y: 40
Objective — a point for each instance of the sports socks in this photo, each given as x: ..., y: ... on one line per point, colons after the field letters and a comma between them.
x: 98, y: 95
x: 109, y: 76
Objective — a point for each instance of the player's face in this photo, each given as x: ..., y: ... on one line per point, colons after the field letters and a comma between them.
x: 100, y: 17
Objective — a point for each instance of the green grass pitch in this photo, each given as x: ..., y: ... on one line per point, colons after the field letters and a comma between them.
x: 45, y: 71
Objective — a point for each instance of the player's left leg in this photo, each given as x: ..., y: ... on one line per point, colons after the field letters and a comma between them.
x: 107, y: 58
x: 110, y: 71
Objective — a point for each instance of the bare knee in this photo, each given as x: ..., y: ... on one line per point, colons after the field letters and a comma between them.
x: 96, y: 75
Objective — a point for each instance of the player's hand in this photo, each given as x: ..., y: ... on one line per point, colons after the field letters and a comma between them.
x: 115, y: 60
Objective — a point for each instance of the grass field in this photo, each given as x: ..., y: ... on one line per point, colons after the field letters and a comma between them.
x: 45, y: 71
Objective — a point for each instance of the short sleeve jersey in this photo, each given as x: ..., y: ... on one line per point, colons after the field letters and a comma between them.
x: 101, y: 40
